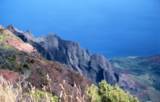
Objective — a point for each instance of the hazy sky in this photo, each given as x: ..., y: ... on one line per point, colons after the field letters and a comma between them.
x: 110, y: 27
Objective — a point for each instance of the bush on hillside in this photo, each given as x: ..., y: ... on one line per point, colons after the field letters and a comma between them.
x: 107, y: 93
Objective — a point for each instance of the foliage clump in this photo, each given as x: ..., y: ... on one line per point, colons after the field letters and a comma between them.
x: 107, y: 93
x: 13, y: 60
x: 2, y: 37
x: 38, y: 96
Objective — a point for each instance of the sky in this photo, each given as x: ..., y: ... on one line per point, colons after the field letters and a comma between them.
x: 109, y: 27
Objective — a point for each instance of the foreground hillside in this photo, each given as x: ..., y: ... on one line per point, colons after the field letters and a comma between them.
x: 28, y: 77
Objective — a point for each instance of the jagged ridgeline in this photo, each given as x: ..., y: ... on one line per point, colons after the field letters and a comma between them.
x: 28, y: 77
x: 93, y: 66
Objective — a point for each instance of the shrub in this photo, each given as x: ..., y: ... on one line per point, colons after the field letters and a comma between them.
x: 107, y: 93
x: 2, y: 37
x: 93, y: 94
x: 42, y: 96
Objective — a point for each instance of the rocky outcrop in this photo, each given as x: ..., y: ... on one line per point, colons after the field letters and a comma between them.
x: 93, y: 66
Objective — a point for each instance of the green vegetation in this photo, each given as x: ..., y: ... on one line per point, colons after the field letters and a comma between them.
x: 38, y: 96
x: 13, y: 60
x: 107, y: 93
x: 2, y: 37
x: 7, y: 47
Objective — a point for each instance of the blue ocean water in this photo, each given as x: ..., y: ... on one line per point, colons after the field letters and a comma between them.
x: 110, y: 27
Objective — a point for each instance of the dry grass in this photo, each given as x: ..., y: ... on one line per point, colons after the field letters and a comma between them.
x: 7, y: 91
x: 14, y: 93
x: 76, y: 94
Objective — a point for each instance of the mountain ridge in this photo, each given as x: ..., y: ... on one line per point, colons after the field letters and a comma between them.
x: 93, y: 66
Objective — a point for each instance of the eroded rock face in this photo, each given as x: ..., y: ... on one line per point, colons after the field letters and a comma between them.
x: 95, y: 67
x: 52, y: 47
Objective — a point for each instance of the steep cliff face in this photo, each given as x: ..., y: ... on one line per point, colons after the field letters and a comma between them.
x: 93, y: 66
